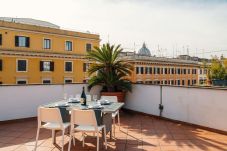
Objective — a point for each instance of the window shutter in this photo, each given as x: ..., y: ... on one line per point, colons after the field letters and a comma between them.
x: 51, y: 66
x: 0, y: 65
x: 0, y: 39
x: 27, y: 42
x: 16, y: 41
x: 41, y: 66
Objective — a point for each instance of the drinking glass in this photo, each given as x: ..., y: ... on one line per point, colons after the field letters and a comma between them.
x: 95, y: 98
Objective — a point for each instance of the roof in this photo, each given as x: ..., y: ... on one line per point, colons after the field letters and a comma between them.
x: 30, y: 21
x: 144, y: 51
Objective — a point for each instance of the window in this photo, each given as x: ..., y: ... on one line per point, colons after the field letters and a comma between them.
x: 46, y: 66
x: 88, y: 47
x: 141, y: 70
x: 205, y: 71
x: 158, y: 70
x: 189, y: 82
x: 165, y: 70
x: 166, y: 82
x: 189, y: 71
x: 178, y: 71
x: 46, y: 81
x: 21, y: 81
x: 178, y: 82
x: 172, y: 82
x: 155, y: 70
x: 85, y: 67
x: 150, y: 70
x: 146, y: 70
x: 46, y: 43
x: 68, y: 66
x: 0, y: 39
x: 193, y: 71
x: 172, y: 71
x: 21, y: 65
x: 68, y: 46
x: 184, y: 71
x: 137, y: 70
x: 182, y: 82
x: 1, y: 65
x: 162, y: 72
x: 0, y: 82
x: 68, y: 80
x: 201, y: 71
x: 22, y: 41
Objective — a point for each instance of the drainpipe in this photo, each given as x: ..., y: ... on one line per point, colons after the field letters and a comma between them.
x: 161, y: 107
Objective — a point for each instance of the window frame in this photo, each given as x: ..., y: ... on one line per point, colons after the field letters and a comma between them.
x: 65, y: 67
x: 27, y: 41
x: 68, y: 79
x: 49, y: 44
x: 17, y: 65
x: 46, y: 80
x: 66, y: 45
x: 86, y: 47
x: 26, y: 80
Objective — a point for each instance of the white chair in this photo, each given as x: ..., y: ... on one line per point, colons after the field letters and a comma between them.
x: 52, y: 120
x: 85, y: 121
x: 113, y: 99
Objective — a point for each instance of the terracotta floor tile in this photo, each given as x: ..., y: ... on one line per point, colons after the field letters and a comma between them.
x: 169, y: 148
x: 137, y: 132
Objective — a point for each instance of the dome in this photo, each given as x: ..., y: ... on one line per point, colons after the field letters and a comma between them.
x: 144, y: 51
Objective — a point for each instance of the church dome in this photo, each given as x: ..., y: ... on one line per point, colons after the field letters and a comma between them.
x: 144, y: 51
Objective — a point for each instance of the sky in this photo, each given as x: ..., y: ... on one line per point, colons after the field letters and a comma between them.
x: 168, y: 27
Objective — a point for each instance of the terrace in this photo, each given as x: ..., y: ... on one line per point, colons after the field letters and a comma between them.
x: 193, y: 119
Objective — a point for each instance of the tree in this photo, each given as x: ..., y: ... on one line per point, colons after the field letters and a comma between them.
x: 111, y: 70
x: 217, y: 70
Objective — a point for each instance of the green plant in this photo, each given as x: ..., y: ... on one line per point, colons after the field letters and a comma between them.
x: 108, y: 69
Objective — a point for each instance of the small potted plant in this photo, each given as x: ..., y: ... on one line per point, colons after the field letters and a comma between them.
x: 109, y: 71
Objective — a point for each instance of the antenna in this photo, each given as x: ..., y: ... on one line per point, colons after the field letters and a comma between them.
x: 108, y: 37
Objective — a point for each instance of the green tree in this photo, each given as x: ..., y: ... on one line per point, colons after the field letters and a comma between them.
x: 108, y: 69
x: 217, y: 69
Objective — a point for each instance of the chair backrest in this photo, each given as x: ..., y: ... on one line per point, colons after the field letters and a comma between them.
x: 49, y: 115
x: 109, y: 98
x: 83, y: 117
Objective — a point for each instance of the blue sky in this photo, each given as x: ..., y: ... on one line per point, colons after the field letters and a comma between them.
x: 173, y: 26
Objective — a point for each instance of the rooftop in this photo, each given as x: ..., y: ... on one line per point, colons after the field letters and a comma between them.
x: 138, y: 132
x: 30, y: 21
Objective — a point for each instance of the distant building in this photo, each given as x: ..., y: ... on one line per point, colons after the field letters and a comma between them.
x: 160, y: 70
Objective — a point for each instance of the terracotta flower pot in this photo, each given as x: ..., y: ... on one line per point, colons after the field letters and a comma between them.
x: 120, y: 95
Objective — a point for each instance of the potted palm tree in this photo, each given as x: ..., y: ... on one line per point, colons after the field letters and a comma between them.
x: 109, y: 71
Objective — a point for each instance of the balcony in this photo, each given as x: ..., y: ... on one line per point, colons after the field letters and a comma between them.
x: 192, y: 119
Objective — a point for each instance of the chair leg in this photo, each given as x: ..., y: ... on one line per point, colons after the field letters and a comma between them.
x: 37, y: 137
x: 74, y: 142
x: 70, y: 139
x: 63, y: 133
x: 83, y: 138
x: 114, y: 121
x: 118, y: 116
x: 97, y: 141
x: 53, y: 135
x: 105, y: 137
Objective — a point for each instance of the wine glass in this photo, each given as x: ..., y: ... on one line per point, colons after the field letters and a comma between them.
x: 95, y: 98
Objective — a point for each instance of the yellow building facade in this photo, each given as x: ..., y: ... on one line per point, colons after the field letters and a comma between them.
x: 43, y: 53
